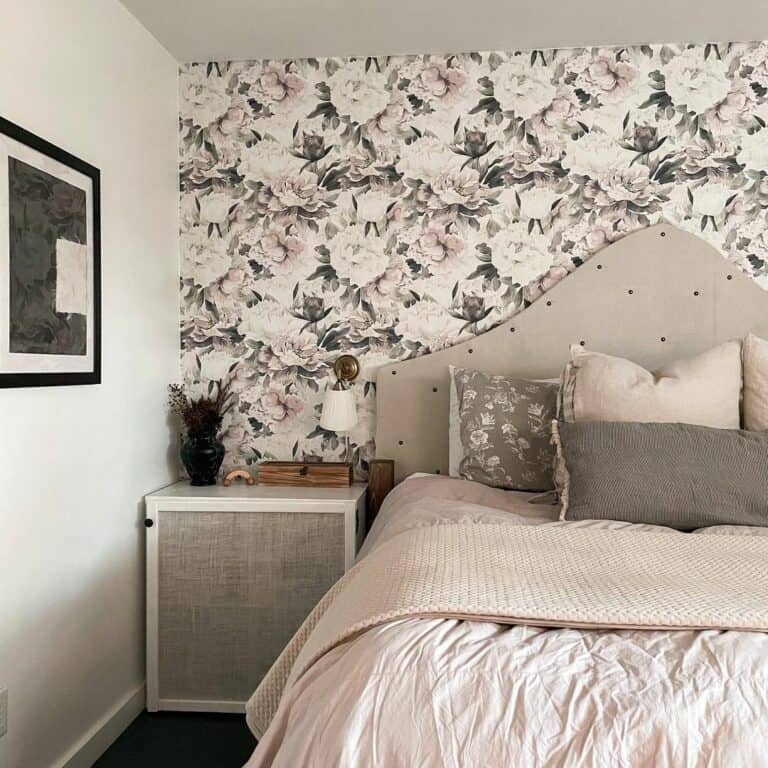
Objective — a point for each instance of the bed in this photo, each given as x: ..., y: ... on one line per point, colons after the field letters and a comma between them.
x: 478, y: 628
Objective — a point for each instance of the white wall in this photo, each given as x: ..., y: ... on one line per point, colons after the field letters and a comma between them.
x: 75, y: 461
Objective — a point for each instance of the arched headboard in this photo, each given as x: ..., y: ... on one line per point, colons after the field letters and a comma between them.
x: 654, y: 296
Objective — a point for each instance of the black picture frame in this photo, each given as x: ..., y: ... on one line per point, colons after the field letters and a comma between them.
x: 62, y: 378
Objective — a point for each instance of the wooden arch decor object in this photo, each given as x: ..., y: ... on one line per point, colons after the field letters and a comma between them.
x: 654, y: 296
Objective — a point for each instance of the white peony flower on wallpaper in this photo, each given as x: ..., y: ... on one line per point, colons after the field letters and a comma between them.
x: 202, y: 100
x: 267, y: 162
x: 426, y: 322
x: 214, y: 207
x: 710, y: 199
x: 522, y: 88
x: 391, y: 206
x: 357, y: 256
x: 754, y: 150
x: 266, y: 321
x: 427, y: 158
x: 596, y: 153
x: 519, y: 255
x: 204, y: 260
x: 217, y: 364
x: 358, y: 94
x: 372, y: 206
x: 537, y: 202
x: 696, y: 82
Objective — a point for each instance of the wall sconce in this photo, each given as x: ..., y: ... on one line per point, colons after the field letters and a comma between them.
x: 339, y: 412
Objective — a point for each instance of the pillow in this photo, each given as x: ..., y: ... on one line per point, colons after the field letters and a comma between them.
x: 679, y: 475
x: 755, y: 383
x: 703, y: 390
x: 455, y: 448
x: 505, y: 430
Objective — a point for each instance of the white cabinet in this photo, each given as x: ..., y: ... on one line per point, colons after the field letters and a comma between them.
x: 231, y: 574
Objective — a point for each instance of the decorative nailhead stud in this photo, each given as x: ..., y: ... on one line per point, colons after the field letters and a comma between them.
x: 630, y: 291
x: 695, y: 293
x: 511, y: 330
x: 434, y: 389
x: 599, y: 266
x: 394, y: 373
x: 730, y: 277
x: 549, y: 303
x: 399, y: 442
x: 470, y: 350
x: 663, y: 338
x: 662, y: 234
x: 583, y: 343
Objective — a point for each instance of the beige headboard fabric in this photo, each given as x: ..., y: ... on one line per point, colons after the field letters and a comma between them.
x: 654, y: 296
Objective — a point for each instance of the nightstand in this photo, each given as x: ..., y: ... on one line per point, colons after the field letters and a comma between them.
x: 231, y: 575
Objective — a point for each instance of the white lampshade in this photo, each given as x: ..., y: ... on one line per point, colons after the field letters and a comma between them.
x: 339, y: 410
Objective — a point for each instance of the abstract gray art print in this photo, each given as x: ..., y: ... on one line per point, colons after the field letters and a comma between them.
x: 49, y: 264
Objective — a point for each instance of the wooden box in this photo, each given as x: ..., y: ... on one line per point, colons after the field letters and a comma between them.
x: 316, y: 474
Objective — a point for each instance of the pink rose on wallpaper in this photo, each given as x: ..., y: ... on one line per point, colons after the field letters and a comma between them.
x: 439, y: 248
x: 624, y: 185
x: 279, y: 250
x: 606, y: 77
x: 277, y: 408
x: 735, y: 106
x: 557, y: 114
x: 385, y: 287
x: 382, y: 126
x: 541, y: 285
x: 436, y: 82
x: 291, y: 354
x: 276, y: 86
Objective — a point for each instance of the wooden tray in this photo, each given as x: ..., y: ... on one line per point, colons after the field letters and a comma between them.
x: 325, y: 474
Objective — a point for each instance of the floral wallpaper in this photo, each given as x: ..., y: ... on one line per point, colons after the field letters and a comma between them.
x: 390, y: 207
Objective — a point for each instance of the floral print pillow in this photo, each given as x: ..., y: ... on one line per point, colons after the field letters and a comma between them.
x: 505, y: 430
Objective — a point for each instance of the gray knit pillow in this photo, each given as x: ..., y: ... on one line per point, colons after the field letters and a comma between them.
x: 505, y: 428
x: 679, y: 475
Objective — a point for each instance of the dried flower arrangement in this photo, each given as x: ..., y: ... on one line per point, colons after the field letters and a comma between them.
x: 201, y: 415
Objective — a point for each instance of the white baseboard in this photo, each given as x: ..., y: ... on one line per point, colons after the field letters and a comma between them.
x: 97, y: 740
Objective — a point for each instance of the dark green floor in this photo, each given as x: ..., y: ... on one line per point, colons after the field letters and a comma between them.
x: 170, y: 739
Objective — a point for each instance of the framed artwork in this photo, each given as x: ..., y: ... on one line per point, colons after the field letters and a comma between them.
x: 50, y: 264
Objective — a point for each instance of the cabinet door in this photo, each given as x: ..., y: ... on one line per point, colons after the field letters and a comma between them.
x: 232, y: 589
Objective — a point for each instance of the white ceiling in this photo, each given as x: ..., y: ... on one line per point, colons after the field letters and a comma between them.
x: 203, y: 30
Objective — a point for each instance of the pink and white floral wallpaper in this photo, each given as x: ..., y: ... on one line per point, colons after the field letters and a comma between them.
x: 393, y: 206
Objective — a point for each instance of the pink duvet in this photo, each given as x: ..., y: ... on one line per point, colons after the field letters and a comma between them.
x: 441, y: 692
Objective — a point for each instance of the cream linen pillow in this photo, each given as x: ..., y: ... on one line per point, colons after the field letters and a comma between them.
x: 703, y: 390
x: 755, y: 383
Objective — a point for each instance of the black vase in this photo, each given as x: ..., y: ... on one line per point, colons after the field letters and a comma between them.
x: 202, y: 455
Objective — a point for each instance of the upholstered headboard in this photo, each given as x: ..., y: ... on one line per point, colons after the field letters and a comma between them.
x: 656, y: 295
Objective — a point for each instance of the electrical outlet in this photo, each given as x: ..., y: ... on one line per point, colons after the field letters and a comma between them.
x: 3, y: 712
